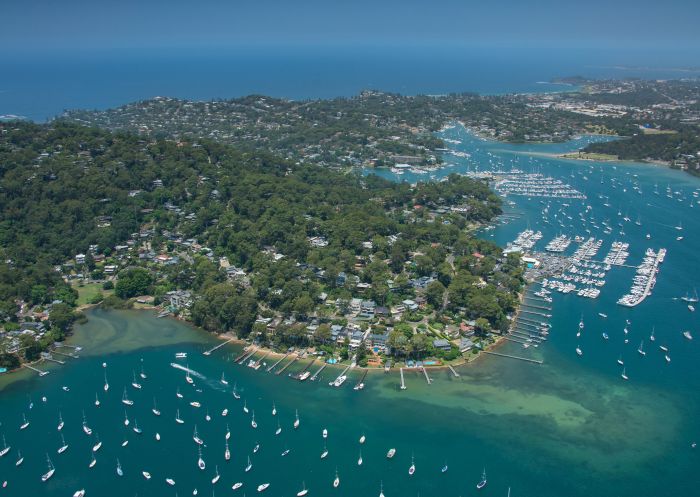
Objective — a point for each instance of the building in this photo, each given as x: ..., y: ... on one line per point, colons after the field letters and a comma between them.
x: 442, y: 344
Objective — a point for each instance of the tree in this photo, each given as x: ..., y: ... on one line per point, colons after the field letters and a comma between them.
x: 133, y: 282
x: 62, y: 318
x: 9, y: 361
x: 482, y: 326
x: 435, y: 294
x: 322, y: 333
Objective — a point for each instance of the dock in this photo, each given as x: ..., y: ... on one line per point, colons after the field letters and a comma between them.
x: 213, y: 349
x: 54, y: 360
x: 294, y: 359
x: 526, y: 359
x: 247, y: 355
x: 453, y: 371
x: 315, y: 375
x: 361, y: 384
x: 427, y: 378
x: 37, y: 370
x: 270, y: 368
x: 257, y: 363
x: 72, y: 356
x: 403, y: 383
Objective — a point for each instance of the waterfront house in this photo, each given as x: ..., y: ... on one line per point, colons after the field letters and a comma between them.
x: 442, y: 344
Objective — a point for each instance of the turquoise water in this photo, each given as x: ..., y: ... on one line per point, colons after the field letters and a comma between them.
x: 570, y: 427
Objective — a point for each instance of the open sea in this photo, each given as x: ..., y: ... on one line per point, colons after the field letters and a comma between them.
x: 568, y: 427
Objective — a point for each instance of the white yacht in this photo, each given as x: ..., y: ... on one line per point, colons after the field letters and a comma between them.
x: 45, y: 477
x: 146, y: 475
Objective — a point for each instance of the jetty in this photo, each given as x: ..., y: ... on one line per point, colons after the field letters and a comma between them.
x: 72, y: 356
x: 213, y: 349
x: 294, y: 359
x: 36, y: 370
x: 246, y: 356
x: 453, y: 370
x: 54, y: 360
x: 256, y: 364
x: 427, y: 378
x: 526, y: 359
x: 361, y: 384
x: 315, y: 375
x: 403, y: 383
x: 276, y: 363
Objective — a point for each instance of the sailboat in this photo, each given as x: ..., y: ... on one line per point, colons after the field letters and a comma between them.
x: 362, y: 438
x: 227, y: 452
x: 196, y: 438
x: 412, y: 468
x: 381, y: 489
x: 652, y: 337
x: 624, y: 374
x: 235, y: 392
x: 207, y: 417
x: 296, y: 420
x: 253, y: 423
x: 126, y: 419
x: 263, y: 486
x: 391, y: 453
x: 691, y: 300
x: 142, y: 374
x: 98, y: 445
x: 178, y: 394
x: 237, y: 485
x: 359, y: 460
x: 578, y: 350
x: 106, y: 387
x: 279, y: 428
x: 482, y: 483
x: 641, y: 349
x: 61, y: 424
x: 200, y: 462
x: 125, y: 399
x: 444, y: 468
x: 155, y: 410
x: 134, y: 383
x: 25, y: 423
x: 249, y: 466
x: 274, y: 409
x: 97, y: 401
x: 228, y: 432
x: 256, y: 448
x: 86, y: 428
x: 324, y: 433
x: 336, y: 482
x: 177, y: 418
x: 223, y: 379
x: 303, y: 491
x: 136, y: 428
x: 6, y: 448
x: 245, y: 407
x: 188, y: 378
x: 20, y: 459
x: 324, y: 454
x: 93, y: 461
x: 216, y: 478
x: 64, y: 445
x: 51, y: 470
x: 146, y: 475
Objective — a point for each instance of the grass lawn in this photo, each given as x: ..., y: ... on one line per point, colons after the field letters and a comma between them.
x: 88, y: 291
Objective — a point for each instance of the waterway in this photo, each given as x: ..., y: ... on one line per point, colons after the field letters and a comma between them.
x: 570, y: 426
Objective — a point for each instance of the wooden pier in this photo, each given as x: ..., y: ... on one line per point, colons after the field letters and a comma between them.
x: 427, y: 378
x: 37, y: 370
x: 256, y: 366
x: 208, y: 352
x: 54, y: 360
x: 361, y: 384
x: 453, y: 371
x: 294, y: 359
x: 526, y: 359
x: 72, y: 356
x: 247, y: 355
x: 276, y: 363
x: 315, y: 375
x: 403, y: 383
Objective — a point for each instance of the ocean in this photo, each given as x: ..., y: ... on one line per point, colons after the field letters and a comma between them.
x: 42, y: 86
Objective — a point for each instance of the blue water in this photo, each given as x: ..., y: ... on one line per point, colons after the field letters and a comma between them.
x: 39, y: 87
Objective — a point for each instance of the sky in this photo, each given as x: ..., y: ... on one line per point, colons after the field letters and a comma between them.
x: 71, y: 25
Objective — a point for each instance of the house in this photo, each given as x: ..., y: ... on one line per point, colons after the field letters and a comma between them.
x: 179, y: 299
x: 80, y: 259
x: 367, y: 308
x: 442, y: 344
x: 378, y: 340
x: 340, y: 279
x: 410, y: 305
x: 355, y: 305
x: 465, y: 345
x: 381, y: 311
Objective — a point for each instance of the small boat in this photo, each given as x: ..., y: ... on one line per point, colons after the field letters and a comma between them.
x: 142, y: 374
x: 25, y: 423
x: 97, y: 401
x: 181, y: 355
x: 256, y: 448
x: 20, y: 459
x: 249, y: 466
x: 691, y: 308
x: 93, y: 461
x: 324, y: 434
x: 216, y: 477
x: 303, y: 490
x: 381, y: 489
x: 391, y: 453
x: 579, y: 351
x: 602, y: 315
x: 64, y: 445
x: 237, y: 485
x: 98, y: 445
x: 235, y: 393
x: 605, y: 336
x: 120, y: 471
x: 482, y: 483
x: 324, y: 454
x: 125, y: 443
x: 106, y: 386
x: 362, y: 439
x: 136, y: 428
x: 157, y: 437
x: 146, y: 475
x: 641, y: 349
x: 200, y: 462
x: 6, y: 448
x: 65, y: 388
x: 178, y: 394
x: 194, y: 403
x: 336, y: 482
x: 170, y: 482
x: 126, y: 419
x: 86, y: 429
x: 188, y: 378
x: 279, y: 429
x: 652, y: 337
x: 687, y: 335
x: 624, y: 374
x: 228, y: 432
x: 224, y: 413
x: 253, y: 423
x: 245, y: 407
x: 178, y: 420
x: 223, y: 379
x: 79, y: 493
x: 285, y: 452
x: 274, y: 409
x: 412, y: 468
x: 664, y: 348
x: 134, y: 383
x: 444, y: 468
x: 61, y: 424
x: 263, y: 487
x: 620, y: 361
x: 45, y: 477
x: 296, y: 420
x: 359, y: 459
x: 227, y: 453
x: 196, y: 438
x: 668, y: 358
x: 125, y: 399
x: 155, y: 410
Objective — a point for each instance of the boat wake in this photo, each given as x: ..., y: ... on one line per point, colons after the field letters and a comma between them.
x: 191, y: 371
